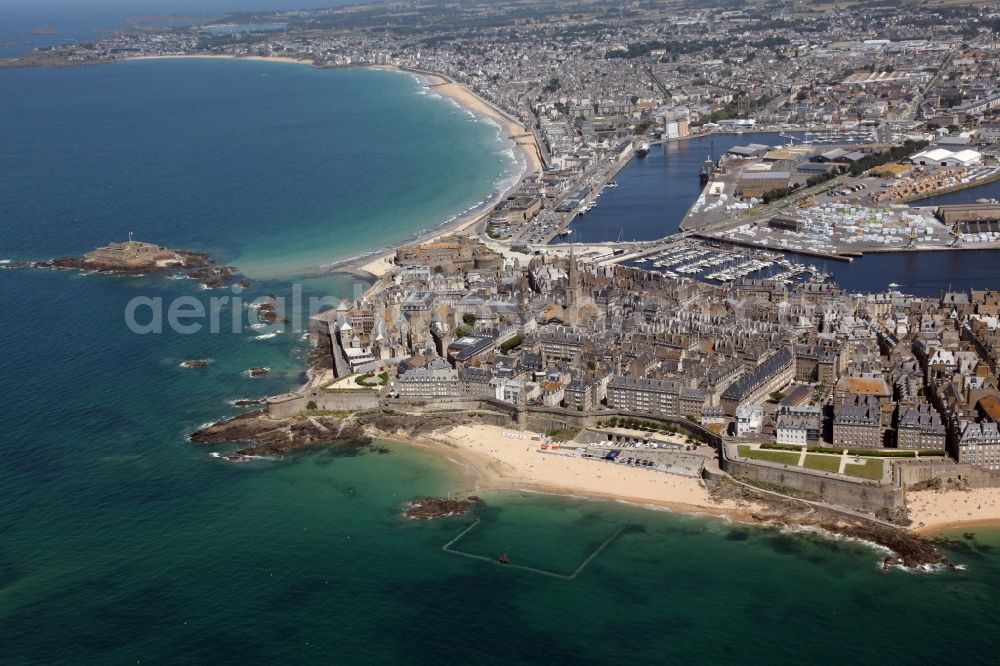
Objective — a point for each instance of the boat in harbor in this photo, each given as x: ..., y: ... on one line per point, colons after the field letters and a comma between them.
x: 707, y: 169
x: 642, y: 150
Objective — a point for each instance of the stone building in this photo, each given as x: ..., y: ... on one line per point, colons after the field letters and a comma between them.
x: 773, y: 374
x: 980, y: 445
x: 920, y: 428
x: 429, y: 384
x: 857, y: 423
x: 452, y: 253
x: 654, y: 396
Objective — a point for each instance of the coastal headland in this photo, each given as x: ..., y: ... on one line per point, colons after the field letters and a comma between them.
x: 496, y: 413
x: 493, y: 458
x: 575, y: 476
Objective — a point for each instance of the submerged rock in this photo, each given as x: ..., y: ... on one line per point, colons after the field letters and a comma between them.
x: 247, y: 402
x: 196, y: 363
x: 428, y: 508
x: 213, y: 277
x: 267, y: 313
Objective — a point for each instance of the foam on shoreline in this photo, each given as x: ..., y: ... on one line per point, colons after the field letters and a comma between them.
x: 521, y: 159
x: 520, y: 164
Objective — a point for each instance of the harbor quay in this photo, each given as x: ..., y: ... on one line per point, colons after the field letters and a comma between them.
x: 818, y: 201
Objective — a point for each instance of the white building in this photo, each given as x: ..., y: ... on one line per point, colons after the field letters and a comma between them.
x: 946, y: 158
x: 798, y: 425
x: 791, y: 433
x: 749, y: 419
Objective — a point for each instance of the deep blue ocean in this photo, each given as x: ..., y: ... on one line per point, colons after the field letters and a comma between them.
x: 122, y: 542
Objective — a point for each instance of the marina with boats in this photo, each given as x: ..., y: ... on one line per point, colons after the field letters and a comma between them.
x: 592, y: 204
x: 859, y: 135
x: 719, y: 263
x: 686, y: 197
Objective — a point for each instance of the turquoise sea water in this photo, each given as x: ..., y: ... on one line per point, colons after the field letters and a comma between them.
x: 278, y: 167
x: 121, y: 542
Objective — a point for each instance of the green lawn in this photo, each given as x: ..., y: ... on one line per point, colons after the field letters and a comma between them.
x: 869, y: 469
x: 822, y: 463
x: 771, y: 456
x: 563, y: 435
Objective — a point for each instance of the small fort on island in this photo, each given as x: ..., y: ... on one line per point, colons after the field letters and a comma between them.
x: 134, y: 258
x: 129, y: 257
x: 133, y: 254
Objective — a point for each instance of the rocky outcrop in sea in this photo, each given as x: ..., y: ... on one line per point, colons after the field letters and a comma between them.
x: 188, y: 265
x: 266, y: 436
x: 906, y: 549
x: 429, y: 508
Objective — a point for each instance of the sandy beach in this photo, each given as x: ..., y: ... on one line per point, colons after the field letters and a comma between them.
x: 495, y: 458
x: 937, y: 510
x: 446, y: 87
x: 298, y: 61
x: 380, y: 263
x: 495, y: 461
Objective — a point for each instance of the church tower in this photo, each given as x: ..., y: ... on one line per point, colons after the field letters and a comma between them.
x: 573, y: 294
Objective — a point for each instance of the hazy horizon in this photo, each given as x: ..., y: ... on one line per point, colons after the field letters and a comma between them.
x: 153, y: 7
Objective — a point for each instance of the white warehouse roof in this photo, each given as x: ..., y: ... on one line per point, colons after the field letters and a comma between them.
x: 940, y: 156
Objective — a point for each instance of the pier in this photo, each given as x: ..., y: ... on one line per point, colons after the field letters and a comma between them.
x: 557, y: 222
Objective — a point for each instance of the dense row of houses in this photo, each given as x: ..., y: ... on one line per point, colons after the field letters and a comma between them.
x: 798, y: 365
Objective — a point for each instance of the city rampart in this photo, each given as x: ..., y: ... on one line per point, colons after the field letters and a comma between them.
x: 912, y: 472
x: 290, y: 404
x: 863, y: 495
